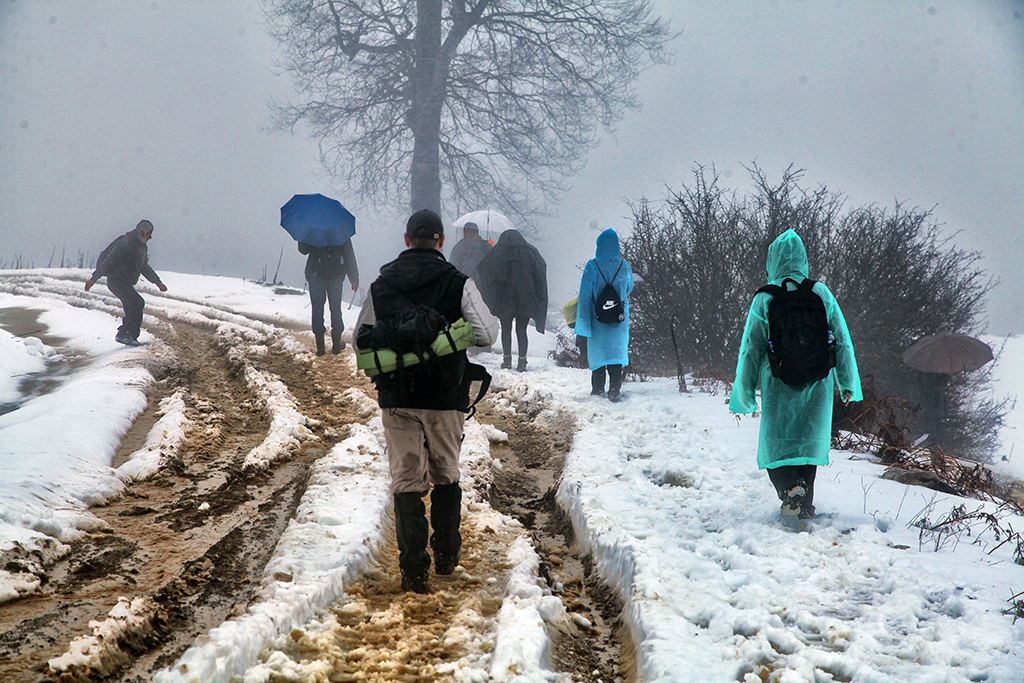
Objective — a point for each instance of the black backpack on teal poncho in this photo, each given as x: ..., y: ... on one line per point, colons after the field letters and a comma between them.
x: 801, y: 348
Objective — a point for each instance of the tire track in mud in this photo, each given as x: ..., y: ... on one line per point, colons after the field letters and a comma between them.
x: 194, y: 538
x: 525, y: 488
x: 380, y: 634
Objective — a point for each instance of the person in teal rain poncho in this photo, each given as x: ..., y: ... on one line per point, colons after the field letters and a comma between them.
x: 796, y: 422
x: 607, y: 343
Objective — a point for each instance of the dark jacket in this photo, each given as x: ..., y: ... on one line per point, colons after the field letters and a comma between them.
x: 467, y: 253
x: 513, y: 280
x: 422, y: 276
x: 125, y: 259
x: 331, y: 262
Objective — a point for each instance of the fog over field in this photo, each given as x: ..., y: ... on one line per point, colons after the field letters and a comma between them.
x: 112, y: 111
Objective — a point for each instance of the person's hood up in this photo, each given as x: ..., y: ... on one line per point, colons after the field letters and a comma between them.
x: 787, y: 257
x: 608, y: 244
x: 510, y: 238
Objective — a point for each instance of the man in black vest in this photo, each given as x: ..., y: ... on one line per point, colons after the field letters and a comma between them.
x: 423, y: 404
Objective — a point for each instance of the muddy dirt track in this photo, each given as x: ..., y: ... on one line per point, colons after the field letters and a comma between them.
x: 193, y: 540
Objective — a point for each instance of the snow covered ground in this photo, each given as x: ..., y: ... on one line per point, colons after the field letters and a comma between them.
x: 663, y: 491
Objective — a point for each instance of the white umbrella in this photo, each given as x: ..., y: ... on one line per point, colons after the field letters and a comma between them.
x: 488, y: 221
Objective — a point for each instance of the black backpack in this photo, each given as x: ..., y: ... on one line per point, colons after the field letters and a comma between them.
x: 412, y: 329
x: 800, y: 345
x: 407, y: 330
x: 608, y: 305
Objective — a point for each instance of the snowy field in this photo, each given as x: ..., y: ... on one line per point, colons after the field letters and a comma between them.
x: 662, y: 489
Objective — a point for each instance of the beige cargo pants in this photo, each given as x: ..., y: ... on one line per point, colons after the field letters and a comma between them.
x: 423, y: 447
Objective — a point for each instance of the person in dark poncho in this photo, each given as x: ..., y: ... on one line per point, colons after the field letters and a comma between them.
x: 514, y: 285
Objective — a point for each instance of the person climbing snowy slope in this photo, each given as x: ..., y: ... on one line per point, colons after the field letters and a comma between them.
x: 796, y: 421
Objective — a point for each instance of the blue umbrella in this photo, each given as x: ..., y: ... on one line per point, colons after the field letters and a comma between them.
x: 317, y: 220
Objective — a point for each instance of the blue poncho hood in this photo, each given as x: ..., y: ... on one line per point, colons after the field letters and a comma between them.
x: 608, y: 244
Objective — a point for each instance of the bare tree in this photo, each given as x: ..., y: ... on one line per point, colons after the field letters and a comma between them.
x: 473, y: 102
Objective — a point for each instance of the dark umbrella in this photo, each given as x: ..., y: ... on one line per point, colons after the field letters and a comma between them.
x: 947, y: 353
x: 317, y: 220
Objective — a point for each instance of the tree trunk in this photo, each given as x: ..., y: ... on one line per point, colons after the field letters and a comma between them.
x: 427, y: 97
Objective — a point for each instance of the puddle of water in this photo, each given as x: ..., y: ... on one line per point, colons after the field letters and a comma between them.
x: 24, y: 322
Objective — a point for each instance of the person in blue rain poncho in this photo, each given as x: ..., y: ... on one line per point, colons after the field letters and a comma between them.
x: 607, y: 344
x: 796, y: 422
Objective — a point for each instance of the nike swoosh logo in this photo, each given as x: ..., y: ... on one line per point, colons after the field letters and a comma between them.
x: 608, y: 305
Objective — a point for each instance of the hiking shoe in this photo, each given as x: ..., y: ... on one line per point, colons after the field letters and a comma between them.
x: 597, y: 392
x: 122, y: 338
x: 806, y: 512
x: 446, y: 565
x: 613, y: 395
x: 414, y: 583
x: 793, y: 502
x: 521, y: 365
x: 338, y: 347
x: 506, y: 364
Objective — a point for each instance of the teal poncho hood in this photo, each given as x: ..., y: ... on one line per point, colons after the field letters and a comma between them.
x: 787, y: 257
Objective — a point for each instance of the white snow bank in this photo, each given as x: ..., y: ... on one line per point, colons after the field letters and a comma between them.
x: 99, y: 654
x: 163, y: 440
x: 19, y: 359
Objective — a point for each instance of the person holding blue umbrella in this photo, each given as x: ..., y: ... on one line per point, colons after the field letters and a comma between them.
x: 323, y: 229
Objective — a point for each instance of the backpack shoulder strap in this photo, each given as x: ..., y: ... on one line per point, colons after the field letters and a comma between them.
x: 601, y: 273
x: 807, y: 284
x: 774, y: 290
x: 475, y: 373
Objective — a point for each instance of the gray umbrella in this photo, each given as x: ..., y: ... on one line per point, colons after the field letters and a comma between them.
x: 947, y: 353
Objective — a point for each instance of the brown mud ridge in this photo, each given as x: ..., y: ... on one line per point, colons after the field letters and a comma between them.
x: 525, y: 488
x: 193, y: 540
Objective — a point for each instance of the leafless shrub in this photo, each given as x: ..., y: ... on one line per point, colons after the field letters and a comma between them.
x: 896, y: 275
x: 960, y: 522
x: 1016, y: 607
x: 566, y: 354
x: 712, y: 381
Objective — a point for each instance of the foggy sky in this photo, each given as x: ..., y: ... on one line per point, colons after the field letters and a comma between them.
x: 113, y: 111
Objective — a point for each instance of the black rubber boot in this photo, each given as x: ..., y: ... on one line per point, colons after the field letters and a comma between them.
x: 597, y: 382
x: 320, y: 350
x: 445, y: 517
x: 614, y: 382
x: 337, y: 344
x: 411, y: 530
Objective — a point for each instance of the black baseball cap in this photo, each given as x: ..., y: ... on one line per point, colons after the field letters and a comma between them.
x: 424, y: 225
